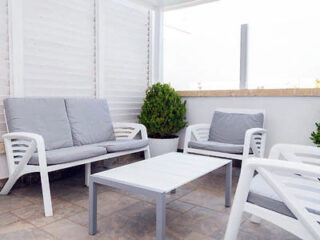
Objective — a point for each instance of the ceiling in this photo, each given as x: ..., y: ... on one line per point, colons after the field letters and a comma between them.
x: 174, y: 3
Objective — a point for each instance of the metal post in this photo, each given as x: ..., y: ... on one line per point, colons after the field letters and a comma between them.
x: 161, y: 216
x: 228, y: 191
x: 92, y: 207
x: 244, y: 56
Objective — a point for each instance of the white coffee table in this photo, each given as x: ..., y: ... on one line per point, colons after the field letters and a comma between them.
x: 155, y: 177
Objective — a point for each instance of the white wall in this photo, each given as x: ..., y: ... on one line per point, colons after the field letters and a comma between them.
x: 288, y: 119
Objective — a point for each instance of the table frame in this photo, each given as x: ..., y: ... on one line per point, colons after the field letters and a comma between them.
x: 159, y: 196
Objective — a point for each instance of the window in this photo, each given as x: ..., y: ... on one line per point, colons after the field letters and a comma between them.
x: 284, y: 48
x: 201, y: 48
x: 202, y: 45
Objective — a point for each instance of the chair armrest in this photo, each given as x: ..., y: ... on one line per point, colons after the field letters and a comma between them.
x: 125, y: 130
x: 255, y: 139
x: 285, y: 166
x: 26, y: 144
x: 296, y: 153
x: 198, y: 131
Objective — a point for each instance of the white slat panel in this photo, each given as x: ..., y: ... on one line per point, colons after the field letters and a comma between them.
x: 59, y: 47
x: 4, y: 63
x: 126, y: 57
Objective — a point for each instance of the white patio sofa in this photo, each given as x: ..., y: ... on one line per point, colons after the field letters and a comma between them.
x: 49, y: 134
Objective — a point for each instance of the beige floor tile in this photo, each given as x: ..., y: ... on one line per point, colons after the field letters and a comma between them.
x: 7, y: 218
x: 144, y: 213
x: 118, y: 227
x: 263, y: 231
x: 12, y: 202
x: 24, y: 231
x: 180, y: 206
x: 82, y: 218
x: 110, y: 202
x: 35, y: 213
x: 201, y: 220
x: 66, y: 230
x: 206, y: 198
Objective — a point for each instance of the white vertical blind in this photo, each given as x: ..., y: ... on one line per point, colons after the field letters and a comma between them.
x: 59, y: 47
x: 126, y: 31
x: 4, y: 63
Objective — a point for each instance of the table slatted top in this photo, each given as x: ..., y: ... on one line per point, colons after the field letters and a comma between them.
x: 163, y: 173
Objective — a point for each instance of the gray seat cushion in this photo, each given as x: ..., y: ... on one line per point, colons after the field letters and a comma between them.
x: 123, y: 145
x: 44, y: 116
x: 216, y: 146
x: 261, y: 194
x: 231, y: 127
x: 64, y: 155
x: 90, y: 121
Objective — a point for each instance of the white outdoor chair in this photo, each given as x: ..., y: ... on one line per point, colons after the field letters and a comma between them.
x: 285, y: 193
x: 234, y: 134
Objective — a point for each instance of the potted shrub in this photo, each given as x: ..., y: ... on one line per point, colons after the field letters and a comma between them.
x: 164, y: 114
x: 315, y: 136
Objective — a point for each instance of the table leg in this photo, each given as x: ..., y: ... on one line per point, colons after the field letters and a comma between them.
x: 92, y: 207
x: 161, y: 216
x: 228, y: 190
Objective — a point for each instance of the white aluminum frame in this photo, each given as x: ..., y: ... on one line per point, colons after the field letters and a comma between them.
x: 295, y: 181
x: 20, y: 146
x: 255, y: 138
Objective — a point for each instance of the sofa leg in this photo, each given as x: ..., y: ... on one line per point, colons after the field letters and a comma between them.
x: 87, y: 173
x: 46, y: 193
x: 147, y: 153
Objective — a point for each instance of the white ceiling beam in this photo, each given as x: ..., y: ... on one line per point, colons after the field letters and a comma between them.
x: 173, y: 4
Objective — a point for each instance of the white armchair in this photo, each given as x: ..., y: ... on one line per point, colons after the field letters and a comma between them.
x: 254, y: 142
x: 285, y: 193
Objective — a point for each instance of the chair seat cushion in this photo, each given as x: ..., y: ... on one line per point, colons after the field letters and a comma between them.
x: 261, y: 194
x: 64, y: 155
x: 216, y: 146
x: 123, y: 145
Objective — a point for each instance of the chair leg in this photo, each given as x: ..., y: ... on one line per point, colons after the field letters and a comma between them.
x: 147, y: 153
x: 46, y: 194
x: 87, y: 173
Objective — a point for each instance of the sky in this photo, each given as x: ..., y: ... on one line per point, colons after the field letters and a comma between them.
x: 202, y: 44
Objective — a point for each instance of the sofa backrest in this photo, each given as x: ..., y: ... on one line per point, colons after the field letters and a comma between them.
x: 44, y: 116
x: 90, y: 120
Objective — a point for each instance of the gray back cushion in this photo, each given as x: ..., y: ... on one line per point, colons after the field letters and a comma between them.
x: 44, y: 116
x: 90, y: 120
x: 232, y: 127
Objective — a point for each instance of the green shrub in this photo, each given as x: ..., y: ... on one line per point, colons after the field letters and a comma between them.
x: 163, y: 113
x: 315, y: 136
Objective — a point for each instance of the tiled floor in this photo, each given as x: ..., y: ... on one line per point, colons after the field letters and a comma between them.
x: 195, y: 212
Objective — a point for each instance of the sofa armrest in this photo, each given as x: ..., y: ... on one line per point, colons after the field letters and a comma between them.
x: 255, y: 139
x: 200, y: 132
x: 125, y: 130
x: 27, y: 144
